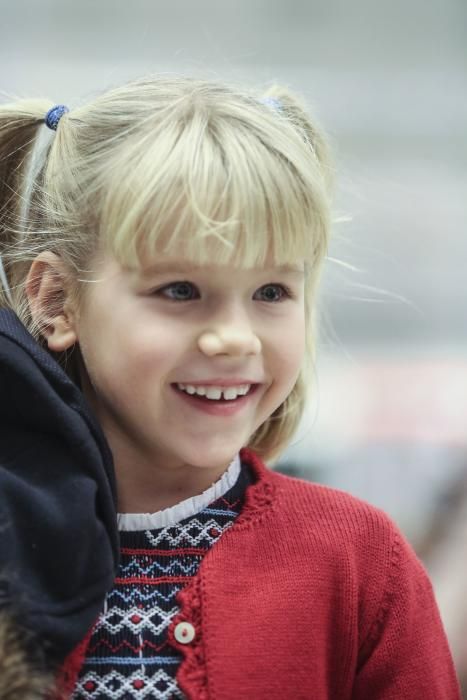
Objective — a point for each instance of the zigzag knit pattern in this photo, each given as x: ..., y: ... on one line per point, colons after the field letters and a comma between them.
x: 129, y: 656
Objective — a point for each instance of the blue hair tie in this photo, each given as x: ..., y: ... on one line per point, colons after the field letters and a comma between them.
x: 54, y: 115
x: 273, y: 102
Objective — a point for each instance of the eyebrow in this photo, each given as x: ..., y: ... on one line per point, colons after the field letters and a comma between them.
x: 188, y: 267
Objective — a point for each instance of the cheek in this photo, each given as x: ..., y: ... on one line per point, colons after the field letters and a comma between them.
x: 290, y: 344
x: 142, y: 357
x: 146, y: 356
x: 285, y: 363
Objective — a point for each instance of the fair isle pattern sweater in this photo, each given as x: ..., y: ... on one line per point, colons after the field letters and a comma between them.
x: 128, y: 655
x: 309, y: 594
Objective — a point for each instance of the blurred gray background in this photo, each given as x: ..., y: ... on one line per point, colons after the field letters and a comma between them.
x: 387, y: 420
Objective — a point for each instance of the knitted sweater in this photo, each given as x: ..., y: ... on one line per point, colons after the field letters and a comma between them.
x: 308, y: 593
x: 128, y: 655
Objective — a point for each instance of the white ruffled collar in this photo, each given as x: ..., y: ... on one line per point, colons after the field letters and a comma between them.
x: 132, y: 522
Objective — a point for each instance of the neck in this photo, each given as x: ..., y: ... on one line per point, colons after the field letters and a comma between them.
x: 149, y: 491
x: 148, y: 483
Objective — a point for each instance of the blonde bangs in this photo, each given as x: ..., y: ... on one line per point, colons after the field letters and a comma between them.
x: 206, y: 185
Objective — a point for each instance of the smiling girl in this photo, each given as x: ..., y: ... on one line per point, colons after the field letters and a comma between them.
x: 161, y: 247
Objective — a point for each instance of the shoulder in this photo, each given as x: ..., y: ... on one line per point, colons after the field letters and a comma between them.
x: 327, y: 505
x: 342, y: 523
x: 352, y: 539
x: 319, y: 507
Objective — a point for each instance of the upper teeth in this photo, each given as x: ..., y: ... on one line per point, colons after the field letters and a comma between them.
x: 215, y: 392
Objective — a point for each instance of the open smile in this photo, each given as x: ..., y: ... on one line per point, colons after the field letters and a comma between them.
x: 216, y: 407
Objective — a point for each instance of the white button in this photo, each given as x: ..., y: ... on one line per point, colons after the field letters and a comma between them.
x: 184, y: 632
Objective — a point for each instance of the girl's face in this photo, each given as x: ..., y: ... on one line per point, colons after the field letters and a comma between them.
x: 143, y: 333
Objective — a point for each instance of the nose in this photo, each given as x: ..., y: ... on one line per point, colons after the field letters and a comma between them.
x: 225, y: 340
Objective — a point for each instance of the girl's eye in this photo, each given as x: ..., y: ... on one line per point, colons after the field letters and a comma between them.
x: 270, y: 292
x: 182, y: 290
x: 186, y: 291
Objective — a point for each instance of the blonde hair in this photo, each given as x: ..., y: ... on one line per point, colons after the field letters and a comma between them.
x: 134, y: 170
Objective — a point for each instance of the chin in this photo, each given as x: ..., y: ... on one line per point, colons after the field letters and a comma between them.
x: 214, y: 458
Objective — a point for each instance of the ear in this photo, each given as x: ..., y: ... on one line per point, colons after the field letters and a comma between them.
x: 47, y: 288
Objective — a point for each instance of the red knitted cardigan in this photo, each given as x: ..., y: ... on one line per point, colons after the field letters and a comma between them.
x: 311, y: 593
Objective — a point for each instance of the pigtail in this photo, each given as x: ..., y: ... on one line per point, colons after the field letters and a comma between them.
x: 19, y: 128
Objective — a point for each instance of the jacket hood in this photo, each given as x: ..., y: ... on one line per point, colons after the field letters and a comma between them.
x: 58, y: 525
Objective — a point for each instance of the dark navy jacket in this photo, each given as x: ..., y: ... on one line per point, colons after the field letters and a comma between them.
x: 58, y: 531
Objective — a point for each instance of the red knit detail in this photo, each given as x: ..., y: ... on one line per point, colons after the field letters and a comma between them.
x: 191, y: 675
x: 68, y: 674
x: 125, y: 644
x: 260, y: 496
x: 230, y: 506
x: 376, y: 629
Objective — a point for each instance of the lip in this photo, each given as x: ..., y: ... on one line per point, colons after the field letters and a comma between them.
x: 214, y: 408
